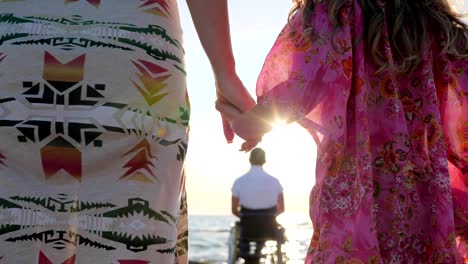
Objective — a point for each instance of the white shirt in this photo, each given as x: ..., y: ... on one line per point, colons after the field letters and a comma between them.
x: 257, y: 189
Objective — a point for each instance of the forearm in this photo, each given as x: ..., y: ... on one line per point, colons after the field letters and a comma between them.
x: 279, y: 210
x: 235, y: 206
x: 270, y: 113
x: 211, y: 21
x: 280, y: 205
x: 236, y: 212
x: 263, y: 118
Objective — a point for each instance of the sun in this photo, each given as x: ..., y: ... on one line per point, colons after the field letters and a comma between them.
x: 291, y: 154
x: 278, y: 124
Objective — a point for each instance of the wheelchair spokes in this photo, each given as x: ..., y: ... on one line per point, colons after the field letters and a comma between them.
x: 256, y: 250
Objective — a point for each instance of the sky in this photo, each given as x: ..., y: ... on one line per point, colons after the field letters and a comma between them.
x: 212, y: 165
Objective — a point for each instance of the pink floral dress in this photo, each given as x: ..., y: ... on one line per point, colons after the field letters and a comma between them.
x: 391, y: 178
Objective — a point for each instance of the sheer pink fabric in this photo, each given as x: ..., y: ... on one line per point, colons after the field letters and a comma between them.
x: 391, y: 177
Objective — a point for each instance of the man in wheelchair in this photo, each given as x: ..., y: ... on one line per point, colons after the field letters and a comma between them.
x: 257, y: 198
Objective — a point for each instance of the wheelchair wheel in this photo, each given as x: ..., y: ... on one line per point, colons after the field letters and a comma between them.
x: 234, y: 243
x: 279, y: 254
x: 279, y: 242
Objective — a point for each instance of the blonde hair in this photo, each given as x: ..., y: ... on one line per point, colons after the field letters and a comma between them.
x: 411, y: 25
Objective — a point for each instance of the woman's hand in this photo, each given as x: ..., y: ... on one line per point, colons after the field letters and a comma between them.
x: 249, y: 125
x: 211, y: 20
x: 231, y: 91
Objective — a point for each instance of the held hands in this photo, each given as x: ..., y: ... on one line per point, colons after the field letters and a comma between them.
x: 233, y: 103
x: 229, y: 88
x: 241, y: 123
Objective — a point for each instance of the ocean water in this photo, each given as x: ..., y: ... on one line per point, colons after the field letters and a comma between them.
x: 208, y: 237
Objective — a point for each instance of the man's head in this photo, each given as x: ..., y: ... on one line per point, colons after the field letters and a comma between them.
x: 257, y: 157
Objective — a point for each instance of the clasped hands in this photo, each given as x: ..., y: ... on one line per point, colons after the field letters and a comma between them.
x: 239, y: 111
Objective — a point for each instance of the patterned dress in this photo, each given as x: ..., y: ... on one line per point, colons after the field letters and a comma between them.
x: 392, y: 165
x: 93, y: 132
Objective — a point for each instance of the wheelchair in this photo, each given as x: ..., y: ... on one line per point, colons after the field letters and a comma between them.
x: 256, y: 239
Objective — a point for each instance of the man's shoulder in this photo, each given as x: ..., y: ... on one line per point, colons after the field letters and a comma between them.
x: 270, y: 176
x: 273, y: 179
x: 240, y: 179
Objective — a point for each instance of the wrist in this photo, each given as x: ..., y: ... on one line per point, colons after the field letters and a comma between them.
x: 224, y: 71
x: 264, y: 116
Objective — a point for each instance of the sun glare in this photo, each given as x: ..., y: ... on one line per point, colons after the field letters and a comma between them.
x: 278, y: 124
x: 458, y: 5
x: 291, y: 155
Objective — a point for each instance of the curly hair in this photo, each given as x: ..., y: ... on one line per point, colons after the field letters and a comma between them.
x: 411, y: 25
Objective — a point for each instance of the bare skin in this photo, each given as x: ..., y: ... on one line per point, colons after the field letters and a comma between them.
x: 235, y: 206
x: 251, y: 124
x: 211, y: 21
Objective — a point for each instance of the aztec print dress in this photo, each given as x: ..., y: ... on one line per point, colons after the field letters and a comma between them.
x: 392, y: 163
x: 93, y: 132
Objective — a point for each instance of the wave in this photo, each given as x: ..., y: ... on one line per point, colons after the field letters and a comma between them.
x: 209, y: 235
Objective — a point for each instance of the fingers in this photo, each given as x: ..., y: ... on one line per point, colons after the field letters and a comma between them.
x: 231, y: 89
x: 220, y: 97
x: 227, y: 110
x: 230, y: 112
x: 249, y: 145
x: 228, y: 133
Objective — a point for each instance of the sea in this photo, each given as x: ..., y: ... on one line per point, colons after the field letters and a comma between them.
x: 209, y: 236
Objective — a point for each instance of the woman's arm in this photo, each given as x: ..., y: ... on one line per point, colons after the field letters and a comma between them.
x: 211, y: 21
